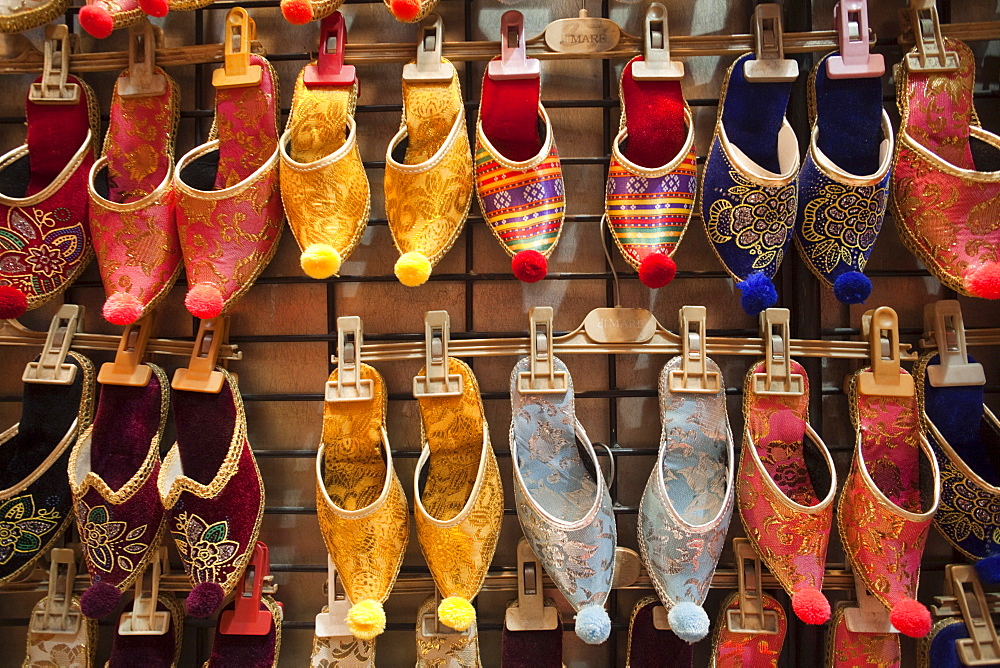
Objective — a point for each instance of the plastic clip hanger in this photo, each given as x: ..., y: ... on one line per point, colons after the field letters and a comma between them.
x: 54, y: 88
x: 51, y: 367
x: 542, y: 377
x: 750, y: 616
x: 332, y: 623
x: 437, y: 382
x: 127, y: 368
x: 142, y: 79
x: 881, y: 328
x: 428, y: 66
x: 514, y: 62
x: 694, y: 376
x: 330, y: 69
x: 945, y: 330
x: 144, y: 619
x: 247, y: 618
x: 349, y: 386
x: 777, y: 377
x: 656, y: 64
x: 236, y: 70
x: 855, y: 60
x: 530, y: 613
x: 982, y: 647
x: 57, y: 616
x: 200, y: 374
x: 931, y: 56
x: 770, y: 65
x: 870, y: 616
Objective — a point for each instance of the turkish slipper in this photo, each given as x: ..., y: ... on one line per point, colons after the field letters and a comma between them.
x: 30, y: 14
x: 443, y: 648
x: 100, y: 18
x: 74, y: 649
x: 44, y: 227
x: 301, y: 12
x: 341, y: 652
x: 410, y: 11
x: 652, y: 179
x: 848, y: 649
x: 151, y: 650
x: 36, y: 505
x: 132, y: 216
x: 651, y: 647
x: 939, y: 648
x: 737, y: 649
x: 536, y: 648
x: 249, y: 651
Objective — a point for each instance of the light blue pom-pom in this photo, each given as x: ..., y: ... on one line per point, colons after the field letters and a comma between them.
x: 688, y: 621
x: 758, y: 293
x: 989, y: 569
x: 593, y: 624
x: 852, y: 287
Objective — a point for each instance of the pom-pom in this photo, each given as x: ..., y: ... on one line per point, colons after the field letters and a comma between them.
x: 96, y: 20
x: 984, y: 281
x: 989, y: 569
x: 758, y: 293
x: 296, y: 12
x: 811, y: 606
x: 413, y: 269
x: 319, y: 260
x: 405, y: 10
x: 593, y: 625
x: 529, y: 266
x: 366, y: 619
x: 688, y: 621
x: 852, y: 287
x: 204, y: 301
x: 122, y: 308
x: 457, y: 613
x: 911, y: 618
x: 157, y: 8
x: 100, y: 600
x: 13, y: 302
x: 204, y: 599
x: 657, y: 270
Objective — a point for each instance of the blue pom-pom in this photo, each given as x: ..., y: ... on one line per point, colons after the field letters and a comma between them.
x: 688, y: 621
x: 758, y: 293
x: 852, y: 287
x: 989, y: 569
x: 593, y: 624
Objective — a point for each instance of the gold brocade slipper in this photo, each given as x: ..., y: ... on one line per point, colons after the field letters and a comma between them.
x: 360, y: 501
x: 457, y: 494
x: 437, y: 649
x: 73, y: 649
x: 341, y: 652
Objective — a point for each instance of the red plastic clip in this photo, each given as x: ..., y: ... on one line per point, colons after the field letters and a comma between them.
x: 247, y: 618
x: 330, y: 69
x: 855, y: 60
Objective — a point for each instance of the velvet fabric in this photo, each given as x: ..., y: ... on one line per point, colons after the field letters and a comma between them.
x: 55, y: 133
x: 233, y: 651
x: 508, y: 111
x: 941, y: 651
x: 127, y: 419
x: 849, y: 118
x: 531, y: 649
x: 205, y: 424
x: 649, y: 647
x: 654, y: 116
x: 753, y: 114
x: 145, y: 651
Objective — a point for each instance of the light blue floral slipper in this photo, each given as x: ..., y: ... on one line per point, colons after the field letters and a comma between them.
x: 562, y: 499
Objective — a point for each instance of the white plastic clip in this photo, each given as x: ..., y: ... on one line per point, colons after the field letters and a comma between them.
x: 55, y: 88
x: 931, y: 56
x: 694, y: 376
x: 514, y: 62
x: 656, y: 64
x: 51, y: 367
x: 542, y: 378
x: 881, y: 328
x: 530, y: 613
x: 777, y: 377
x: 870, y: 616
x: 855, y: 60
x: 436, y: 381
x: 142, y: 79
x: 770, y: 64
x: 144, y: 619
x: 333, y: 622
x: 349, y: 386
x: 945, y: 330
x: 57, y: 616
x: 751, y: 616
x: 429, y: 66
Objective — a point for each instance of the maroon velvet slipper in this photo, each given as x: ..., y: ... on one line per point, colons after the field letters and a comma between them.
x: 249, y: 651
x: 650, y: 647
x: 531, y: 649
x: 211, y: 489
x: 112, y: 472
x: 151, y: 651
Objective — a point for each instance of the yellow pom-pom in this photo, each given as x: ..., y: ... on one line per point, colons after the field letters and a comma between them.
x: 457, y: 613
x: 320, y: 261
x: 413, y: 269
x: 366, y: 619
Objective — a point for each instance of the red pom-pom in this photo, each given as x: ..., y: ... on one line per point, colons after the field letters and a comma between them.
x: 122, y: 308
x: 984, y: 281
x: 13, y: 302
x: 204, y: 599
x: 811, y: 606
x: 657, y: 270
x: 97, y: 20
x: 296, y: 12
x: 204, y: 301
x: 405, y: 10
x: 529, y: 266
x: 911, y: 618
x: 157, y: 8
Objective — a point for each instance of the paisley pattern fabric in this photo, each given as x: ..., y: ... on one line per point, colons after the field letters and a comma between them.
x: 323, y: 183
x: 523, y: 202
x: 947, y: 212
x: 62, y: 650
x: 341, y: 652
x: 360, y: 501
x: 445, y: 650
x: 21, y: 15
x: 787, y: 514
x: 747, y: 650
x: 459, y: 508
x: 846, y: 649
x: 562, y: 500
x: 688, y: 501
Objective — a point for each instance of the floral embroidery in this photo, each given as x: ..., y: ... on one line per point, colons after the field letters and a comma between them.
x: 22, y: 527
x: 761, y: 650
x: 846, y: 649
x: 840, y: 225
x: 102, y: 538
x: 40, y: 250
x: 204, y: 547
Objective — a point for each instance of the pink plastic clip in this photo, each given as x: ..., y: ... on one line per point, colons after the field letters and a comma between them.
x: 330, y: 69
x: 514, y: 62
x: 247, y: 618
x: 855, y: 60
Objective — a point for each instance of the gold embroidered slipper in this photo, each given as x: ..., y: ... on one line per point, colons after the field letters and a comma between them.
x: 456, y: 490
x: 341, y: 651
x: 442, y: 648
x: 72, y: 649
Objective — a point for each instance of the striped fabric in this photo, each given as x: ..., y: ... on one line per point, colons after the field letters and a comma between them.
x: 648, y: 214
x: 524, y: 208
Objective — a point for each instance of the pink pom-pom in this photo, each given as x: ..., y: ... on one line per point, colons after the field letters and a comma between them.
x: 122, y: 308
x: 984, y: 281
x: 100, y: 600
x: 204, y: 599
x: 157, y: 8
x: 204, y: 300
x: 13, y: 302
x: 529, y: 266
x: 911, y: 618
x: 296, y: 12
x: 405, y: 10
x: 811, y: 606
x: 97, y: 20
x: 657, y: 270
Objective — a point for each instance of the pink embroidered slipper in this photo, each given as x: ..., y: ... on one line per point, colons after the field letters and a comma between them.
x: 132, y: 197
x: 44, y: 230
x: 229, y: 211
x: 848, y: 649
x: 736, y: 649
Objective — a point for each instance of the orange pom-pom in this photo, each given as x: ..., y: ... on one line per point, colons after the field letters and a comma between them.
x: 122, y: 308
x: 204, y: 301
x: 657, y: 270
x: 529, y: 266
x: 984, y: 281
x: 97, y: 21
x: 405, y: 10
x: 911, y: 618
x: 811, y: 606
x: 157, y: 8
x: 296, y: 12
x: 13, y: 302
